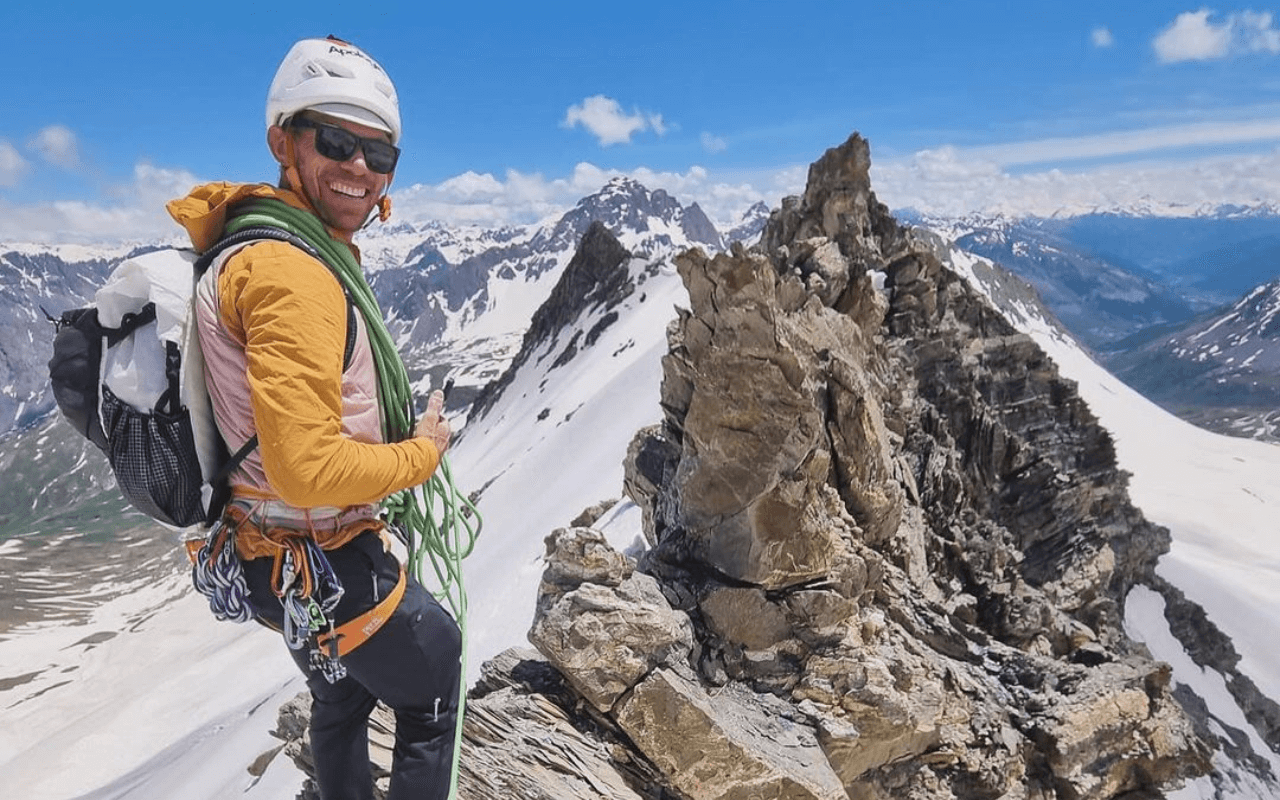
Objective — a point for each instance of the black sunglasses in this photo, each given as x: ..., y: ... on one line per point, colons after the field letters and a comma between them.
x: 340, y: 144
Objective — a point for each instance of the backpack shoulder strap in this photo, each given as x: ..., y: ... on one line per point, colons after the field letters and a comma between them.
x: 247, y: 235
x: 259, y: 232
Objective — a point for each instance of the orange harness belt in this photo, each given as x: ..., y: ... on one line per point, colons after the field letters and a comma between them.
x: 355, y: 632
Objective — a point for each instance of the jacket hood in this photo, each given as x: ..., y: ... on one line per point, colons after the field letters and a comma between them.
x: 203, y: 212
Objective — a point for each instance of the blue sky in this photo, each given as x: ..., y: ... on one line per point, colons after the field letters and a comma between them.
x: 514, y: 110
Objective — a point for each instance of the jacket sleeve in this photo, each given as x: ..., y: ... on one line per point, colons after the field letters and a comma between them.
x: 291, y: 314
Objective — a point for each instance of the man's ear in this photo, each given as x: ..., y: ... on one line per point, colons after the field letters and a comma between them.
x: 276, y: 142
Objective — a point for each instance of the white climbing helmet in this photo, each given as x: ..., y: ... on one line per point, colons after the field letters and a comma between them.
x: 334, y: 78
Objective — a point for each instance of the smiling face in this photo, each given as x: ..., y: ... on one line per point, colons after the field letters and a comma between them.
x: 343, y: 193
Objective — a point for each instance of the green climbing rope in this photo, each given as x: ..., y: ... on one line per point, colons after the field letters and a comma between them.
x: 440, y: 524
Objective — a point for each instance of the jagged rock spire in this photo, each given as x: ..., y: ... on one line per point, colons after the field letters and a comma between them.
x: 890, y: 522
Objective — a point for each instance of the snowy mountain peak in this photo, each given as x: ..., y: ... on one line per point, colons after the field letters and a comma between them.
x: 748, y: 228
x: 625, y: 206
x: 623, y: 186
x: 479, y: 290
x: 628, y: 202
x: 1234, y: 354
x: 597, y: 277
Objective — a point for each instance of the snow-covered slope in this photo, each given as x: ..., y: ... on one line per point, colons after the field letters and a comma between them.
x: 151, y: 698
x: 148, y: 697
x: 1231, y: 357
x: 554, y: 444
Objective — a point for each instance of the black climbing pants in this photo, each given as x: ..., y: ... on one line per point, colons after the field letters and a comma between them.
x: 412, y: 664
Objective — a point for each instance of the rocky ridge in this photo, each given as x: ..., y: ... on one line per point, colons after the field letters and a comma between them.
x: 595, y: 276
x: 888, y: 552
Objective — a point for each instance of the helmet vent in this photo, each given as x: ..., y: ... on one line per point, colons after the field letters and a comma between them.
x: 336, y: 70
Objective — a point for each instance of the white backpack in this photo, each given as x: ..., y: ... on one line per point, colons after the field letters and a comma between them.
x: 128, y: 372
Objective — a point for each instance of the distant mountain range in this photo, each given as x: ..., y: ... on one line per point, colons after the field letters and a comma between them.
x: 459, y: 299
x: 1111, y: 275
x: 1221, y: 370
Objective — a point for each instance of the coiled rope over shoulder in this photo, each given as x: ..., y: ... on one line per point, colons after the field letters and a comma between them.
x: 438, y: 523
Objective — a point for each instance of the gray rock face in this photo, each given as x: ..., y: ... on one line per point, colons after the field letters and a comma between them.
x: 602, y: 624
x: 892, y: 526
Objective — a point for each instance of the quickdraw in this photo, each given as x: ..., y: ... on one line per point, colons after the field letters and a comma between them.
x: 302, y: 577
x: 309, y: 592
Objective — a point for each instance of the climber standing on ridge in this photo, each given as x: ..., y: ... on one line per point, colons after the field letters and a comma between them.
x: 289, y: 360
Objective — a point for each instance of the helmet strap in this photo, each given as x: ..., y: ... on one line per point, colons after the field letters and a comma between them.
x: 291, y: 175
x: 383, y: 205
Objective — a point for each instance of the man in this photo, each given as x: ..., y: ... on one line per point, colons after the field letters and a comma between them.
x: 288, y: 361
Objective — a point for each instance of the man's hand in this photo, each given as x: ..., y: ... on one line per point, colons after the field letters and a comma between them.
x: 433, y: 425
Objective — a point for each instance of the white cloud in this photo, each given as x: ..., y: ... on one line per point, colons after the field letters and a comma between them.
x: 57, y: 145
x: 1257, y: 34
x: 947, y: 164
x: 131, y: 212
x: 1193, y: 36
x: 12, y: 165
x: 944, y: 180
x: 712, y: 143
x: 1131, y: 142
x: 472, y: 184
x: 950, y: 182
x: 521, y: 198
x: 1101, y: 37
x: 604, y: 118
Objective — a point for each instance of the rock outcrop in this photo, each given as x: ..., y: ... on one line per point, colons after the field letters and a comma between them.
x: 896, y: 533
x: 888, y: 550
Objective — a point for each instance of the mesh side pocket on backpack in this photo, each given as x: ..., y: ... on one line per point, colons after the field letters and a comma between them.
x: 154, y: 459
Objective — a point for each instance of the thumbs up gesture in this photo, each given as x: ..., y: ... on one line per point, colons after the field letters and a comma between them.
x: 433, y: 425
